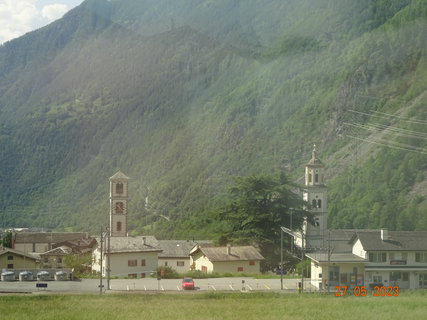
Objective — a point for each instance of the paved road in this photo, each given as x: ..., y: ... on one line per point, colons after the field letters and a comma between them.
x: 151, y: 284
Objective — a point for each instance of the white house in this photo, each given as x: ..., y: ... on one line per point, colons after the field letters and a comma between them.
x: 392, y: 258
x: 133, y: 257
x: 245, y: 259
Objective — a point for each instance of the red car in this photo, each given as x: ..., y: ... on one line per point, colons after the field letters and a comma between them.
x: 188, y: 284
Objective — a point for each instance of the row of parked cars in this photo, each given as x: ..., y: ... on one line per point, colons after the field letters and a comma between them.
x: 30, y: 276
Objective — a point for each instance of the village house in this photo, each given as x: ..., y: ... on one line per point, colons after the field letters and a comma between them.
x: 389, y: 258
x: 11, y: 259
x: 226, y: 259
x: 41, y: 242
x: 176, y: 254
x: 133, y: 257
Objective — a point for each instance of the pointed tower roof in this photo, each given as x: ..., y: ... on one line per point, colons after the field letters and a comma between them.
x: 119, y: 176
x: 314, y: 161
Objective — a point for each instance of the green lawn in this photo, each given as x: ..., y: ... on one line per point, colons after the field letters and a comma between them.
x: 409, y: 305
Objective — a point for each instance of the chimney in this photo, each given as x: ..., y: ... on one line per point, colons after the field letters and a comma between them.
x: 143, y: 241
x: 228, y: 249
x: 385, y: 235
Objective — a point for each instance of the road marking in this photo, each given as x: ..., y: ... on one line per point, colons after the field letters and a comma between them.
x: 250, y: 288
x: 268, y: 288
x: 231, y: 286
x: 145, y: 288
x: 161, y: 287
x: 212, y: 287
x: 179, y: 289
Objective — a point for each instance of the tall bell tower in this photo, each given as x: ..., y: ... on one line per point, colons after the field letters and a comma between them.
x: 316, y: 195
x: 118, y: 205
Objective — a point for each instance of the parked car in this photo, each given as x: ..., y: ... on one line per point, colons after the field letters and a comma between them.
x: 188, y: 284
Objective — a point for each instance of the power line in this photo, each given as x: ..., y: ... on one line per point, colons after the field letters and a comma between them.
x: 399, y: 131
x: 401, y: 118
x: 420, y: 151
x: 389, y: 116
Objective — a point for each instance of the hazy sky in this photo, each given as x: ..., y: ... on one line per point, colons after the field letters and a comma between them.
x: 18, y: 17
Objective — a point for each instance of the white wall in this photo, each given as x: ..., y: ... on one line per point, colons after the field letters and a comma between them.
x: 173, y: 263
x: 119, y: 263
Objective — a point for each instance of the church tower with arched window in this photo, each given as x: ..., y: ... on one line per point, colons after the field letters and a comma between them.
x: 118, y: 205
x: 316, y: 195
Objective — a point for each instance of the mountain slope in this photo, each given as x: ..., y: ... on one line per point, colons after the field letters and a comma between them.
x: 181, y: 96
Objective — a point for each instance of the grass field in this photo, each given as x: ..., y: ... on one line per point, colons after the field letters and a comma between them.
x: 409, y: 305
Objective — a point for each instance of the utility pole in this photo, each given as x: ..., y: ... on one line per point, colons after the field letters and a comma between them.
x: 101, y: 261
x: 108, y: 256
x: 302, y: 260
x: 281, y: 259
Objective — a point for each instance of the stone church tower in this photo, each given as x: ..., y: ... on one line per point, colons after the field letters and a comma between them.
x: 119, y: 198
x: 316, y: 194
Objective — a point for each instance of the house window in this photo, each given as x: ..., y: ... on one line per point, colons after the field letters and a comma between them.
x: 119, y: 226
x: 239, y: 269
x: 142, y: 262
x: 9, y: 257
x: 420, y: 256
x: 10, y: 266
x: 132, y: 263
x: 377, y: 257
x: 119, y: 188
x: 180, y: 263
x: 204, y: 269
x: 143, y: 275
x: 119, y: 207
x: 399, y: 276
x: 319, y: 203
x: 309, y: 178
x: 132, y: 275
x: 251, y: 263
x: 423, y: 280
x: 59, y: 260
x: 166, y: 263
x: 316, y: 178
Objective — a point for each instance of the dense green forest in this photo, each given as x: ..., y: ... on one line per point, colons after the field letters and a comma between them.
x: 183, y: 96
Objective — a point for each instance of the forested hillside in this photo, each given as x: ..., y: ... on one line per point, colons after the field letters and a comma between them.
x: 184, y: 95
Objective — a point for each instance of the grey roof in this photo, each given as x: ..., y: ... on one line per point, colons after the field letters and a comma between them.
x: 335, y: 257
x: 133, y: 244
x: 47, y: 237
x: 33, y: 256
x: 216, y: 254
x: 178, y: 248
x: 60, y: 251
x: 340, y: 239
x: 399, y: 240
x: 119, y: 176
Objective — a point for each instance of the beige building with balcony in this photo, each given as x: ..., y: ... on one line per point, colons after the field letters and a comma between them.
x: 390, y: 258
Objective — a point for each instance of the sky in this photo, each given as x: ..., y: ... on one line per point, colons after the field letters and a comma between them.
x: 18, y: 17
